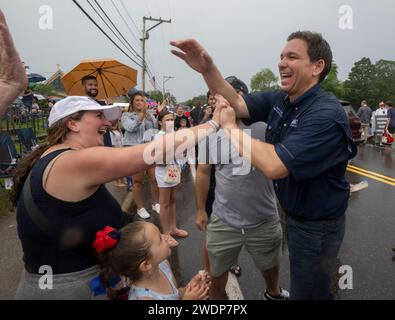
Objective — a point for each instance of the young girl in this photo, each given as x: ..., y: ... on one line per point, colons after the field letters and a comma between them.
x: 167, y: 189
x: 138, y: 252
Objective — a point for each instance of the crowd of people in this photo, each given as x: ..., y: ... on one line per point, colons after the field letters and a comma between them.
x: 290, y: 146
x: 378, y: 123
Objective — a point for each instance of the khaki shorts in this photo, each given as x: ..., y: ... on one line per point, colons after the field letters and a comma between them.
x: 224, y: 243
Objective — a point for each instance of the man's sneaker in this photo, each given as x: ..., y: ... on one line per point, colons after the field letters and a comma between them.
x: 284, y: 295
x: 156, y: 208
x: 143, y: 213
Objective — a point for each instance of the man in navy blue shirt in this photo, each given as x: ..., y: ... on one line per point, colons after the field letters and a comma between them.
x: 308, y: 145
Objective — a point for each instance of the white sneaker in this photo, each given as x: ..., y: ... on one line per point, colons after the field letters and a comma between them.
x: 156, y: 207
x: 143, y: 213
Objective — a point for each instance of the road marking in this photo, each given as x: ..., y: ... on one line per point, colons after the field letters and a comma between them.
x: 372, y: 173
x: 371, y: 176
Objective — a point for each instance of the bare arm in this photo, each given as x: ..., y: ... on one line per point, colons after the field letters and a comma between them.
x: 12, y: 73
x: 202, y: 186
x: 77, y: 174
x: 261, y: 155
x: 199, y: 60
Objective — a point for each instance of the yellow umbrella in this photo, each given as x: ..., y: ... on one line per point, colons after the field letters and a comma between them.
x: 114, y: 78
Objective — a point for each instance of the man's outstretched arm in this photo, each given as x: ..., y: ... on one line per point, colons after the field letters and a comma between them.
x: 199, y: 60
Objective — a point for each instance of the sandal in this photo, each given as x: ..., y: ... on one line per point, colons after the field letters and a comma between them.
x: 236, y: 270
x: 179, y: 233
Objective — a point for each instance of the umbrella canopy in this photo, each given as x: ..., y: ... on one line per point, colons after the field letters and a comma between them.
x: 114, y: 78
x: 34, y: 77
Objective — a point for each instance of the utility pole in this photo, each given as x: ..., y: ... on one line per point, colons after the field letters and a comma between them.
x: 165, y: 79
x: 146, y: 37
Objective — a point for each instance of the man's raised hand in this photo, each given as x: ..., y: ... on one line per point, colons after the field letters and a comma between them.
x: 193, y: 54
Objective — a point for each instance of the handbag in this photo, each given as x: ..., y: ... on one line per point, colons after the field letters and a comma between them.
x: 387, y: 138
x: 173, y: 174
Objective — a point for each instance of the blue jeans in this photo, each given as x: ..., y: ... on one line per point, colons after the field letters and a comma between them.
x: 313, y: 248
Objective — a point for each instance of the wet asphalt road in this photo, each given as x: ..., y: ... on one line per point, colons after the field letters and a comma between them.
x: 370, y: 234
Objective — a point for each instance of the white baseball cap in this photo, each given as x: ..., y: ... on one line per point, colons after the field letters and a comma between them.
x: 73, y: 104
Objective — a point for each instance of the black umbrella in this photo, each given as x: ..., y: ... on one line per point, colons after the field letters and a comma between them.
x: 34, y: 77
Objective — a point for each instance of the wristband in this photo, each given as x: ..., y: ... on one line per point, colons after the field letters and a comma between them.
x: 214, y: 124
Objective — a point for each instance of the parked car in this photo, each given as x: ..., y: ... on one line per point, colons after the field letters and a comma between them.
x: 355, y: 122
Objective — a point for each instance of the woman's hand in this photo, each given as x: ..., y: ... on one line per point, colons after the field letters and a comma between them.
x: 226, y: 115
x: 13, y: 78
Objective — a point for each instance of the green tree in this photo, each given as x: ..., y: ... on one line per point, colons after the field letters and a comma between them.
x: 156, y: 95
x: 264, y: 80
x: 361, y: 83
x: 192, y: 102
x: 384, y: 79
x: 333, y: 84
x: 44, y: 89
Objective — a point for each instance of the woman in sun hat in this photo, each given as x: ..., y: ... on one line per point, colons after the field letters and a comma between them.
x: 62, y: 201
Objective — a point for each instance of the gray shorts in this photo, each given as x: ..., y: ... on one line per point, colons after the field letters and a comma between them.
x: 263, y: 243
x: 67, y: 286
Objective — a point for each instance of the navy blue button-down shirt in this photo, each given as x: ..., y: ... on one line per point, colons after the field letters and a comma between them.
x: 312, y: 137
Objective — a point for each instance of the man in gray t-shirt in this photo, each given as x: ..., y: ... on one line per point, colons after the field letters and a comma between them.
x: 244, y: 213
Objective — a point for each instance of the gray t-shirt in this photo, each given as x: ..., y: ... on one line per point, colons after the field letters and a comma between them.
x: 364, y: 113
x: 244, y: 197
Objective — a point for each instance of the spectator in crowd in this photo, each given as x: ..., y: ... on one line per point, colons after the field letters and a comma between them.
x: 168, y: 176
x: 139, y: 253
x: 197, y: 113
x: 380, y: 117
x: 239, y: 217
x: 391, y: 118
x: 180, y: 116
x: 63, y: 184
x: 138, y: 123
x: 365, y: 114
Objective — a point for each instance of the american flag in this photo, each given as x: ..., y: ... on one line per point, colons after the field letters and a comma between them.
x: 153, y: 82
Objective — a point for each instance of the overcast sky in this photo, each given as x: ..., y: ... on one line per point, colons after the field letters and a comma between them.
x: 243, y: 36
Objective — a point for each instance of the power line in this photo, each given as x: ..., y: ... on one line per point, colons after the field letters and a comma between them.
x: 123, y: 19
x: 131, y: 19
x: 112, y: 23
x: 101, y: 17
x: 109, y: 38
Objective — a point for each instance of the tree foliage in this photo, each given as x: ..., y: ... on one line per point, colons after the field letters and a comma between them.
x: 333, y: 84
x: 264, y: 80
x: 192, y: 102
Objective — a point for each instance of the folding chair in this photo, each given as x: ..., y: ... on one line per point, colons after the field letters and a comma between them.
x: 8, y: 159
x: 27, y: 138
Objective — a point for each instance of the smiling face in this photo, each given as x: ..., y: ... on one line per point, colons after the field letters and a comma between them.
x: 90, y: 88
x: 167, y: 123
x: 160, y: 248
x: 138, y: 104
x: 90, y: 128
x: 297, y: 72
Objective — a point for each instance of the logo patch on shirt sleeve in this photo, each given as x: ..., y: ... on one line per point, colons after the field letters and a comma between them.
x: 294, y: 123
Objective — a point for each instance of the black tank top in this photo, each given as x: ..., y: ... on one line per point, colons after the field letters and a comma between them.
x: 86, y: 216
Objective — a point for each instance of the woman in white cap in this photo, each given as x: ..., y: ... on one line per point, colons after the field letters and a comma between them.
x: 61, y: 198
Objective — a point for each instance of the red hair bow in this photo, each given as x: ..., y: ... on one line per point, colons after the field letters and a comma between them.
x: 106, y: 239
